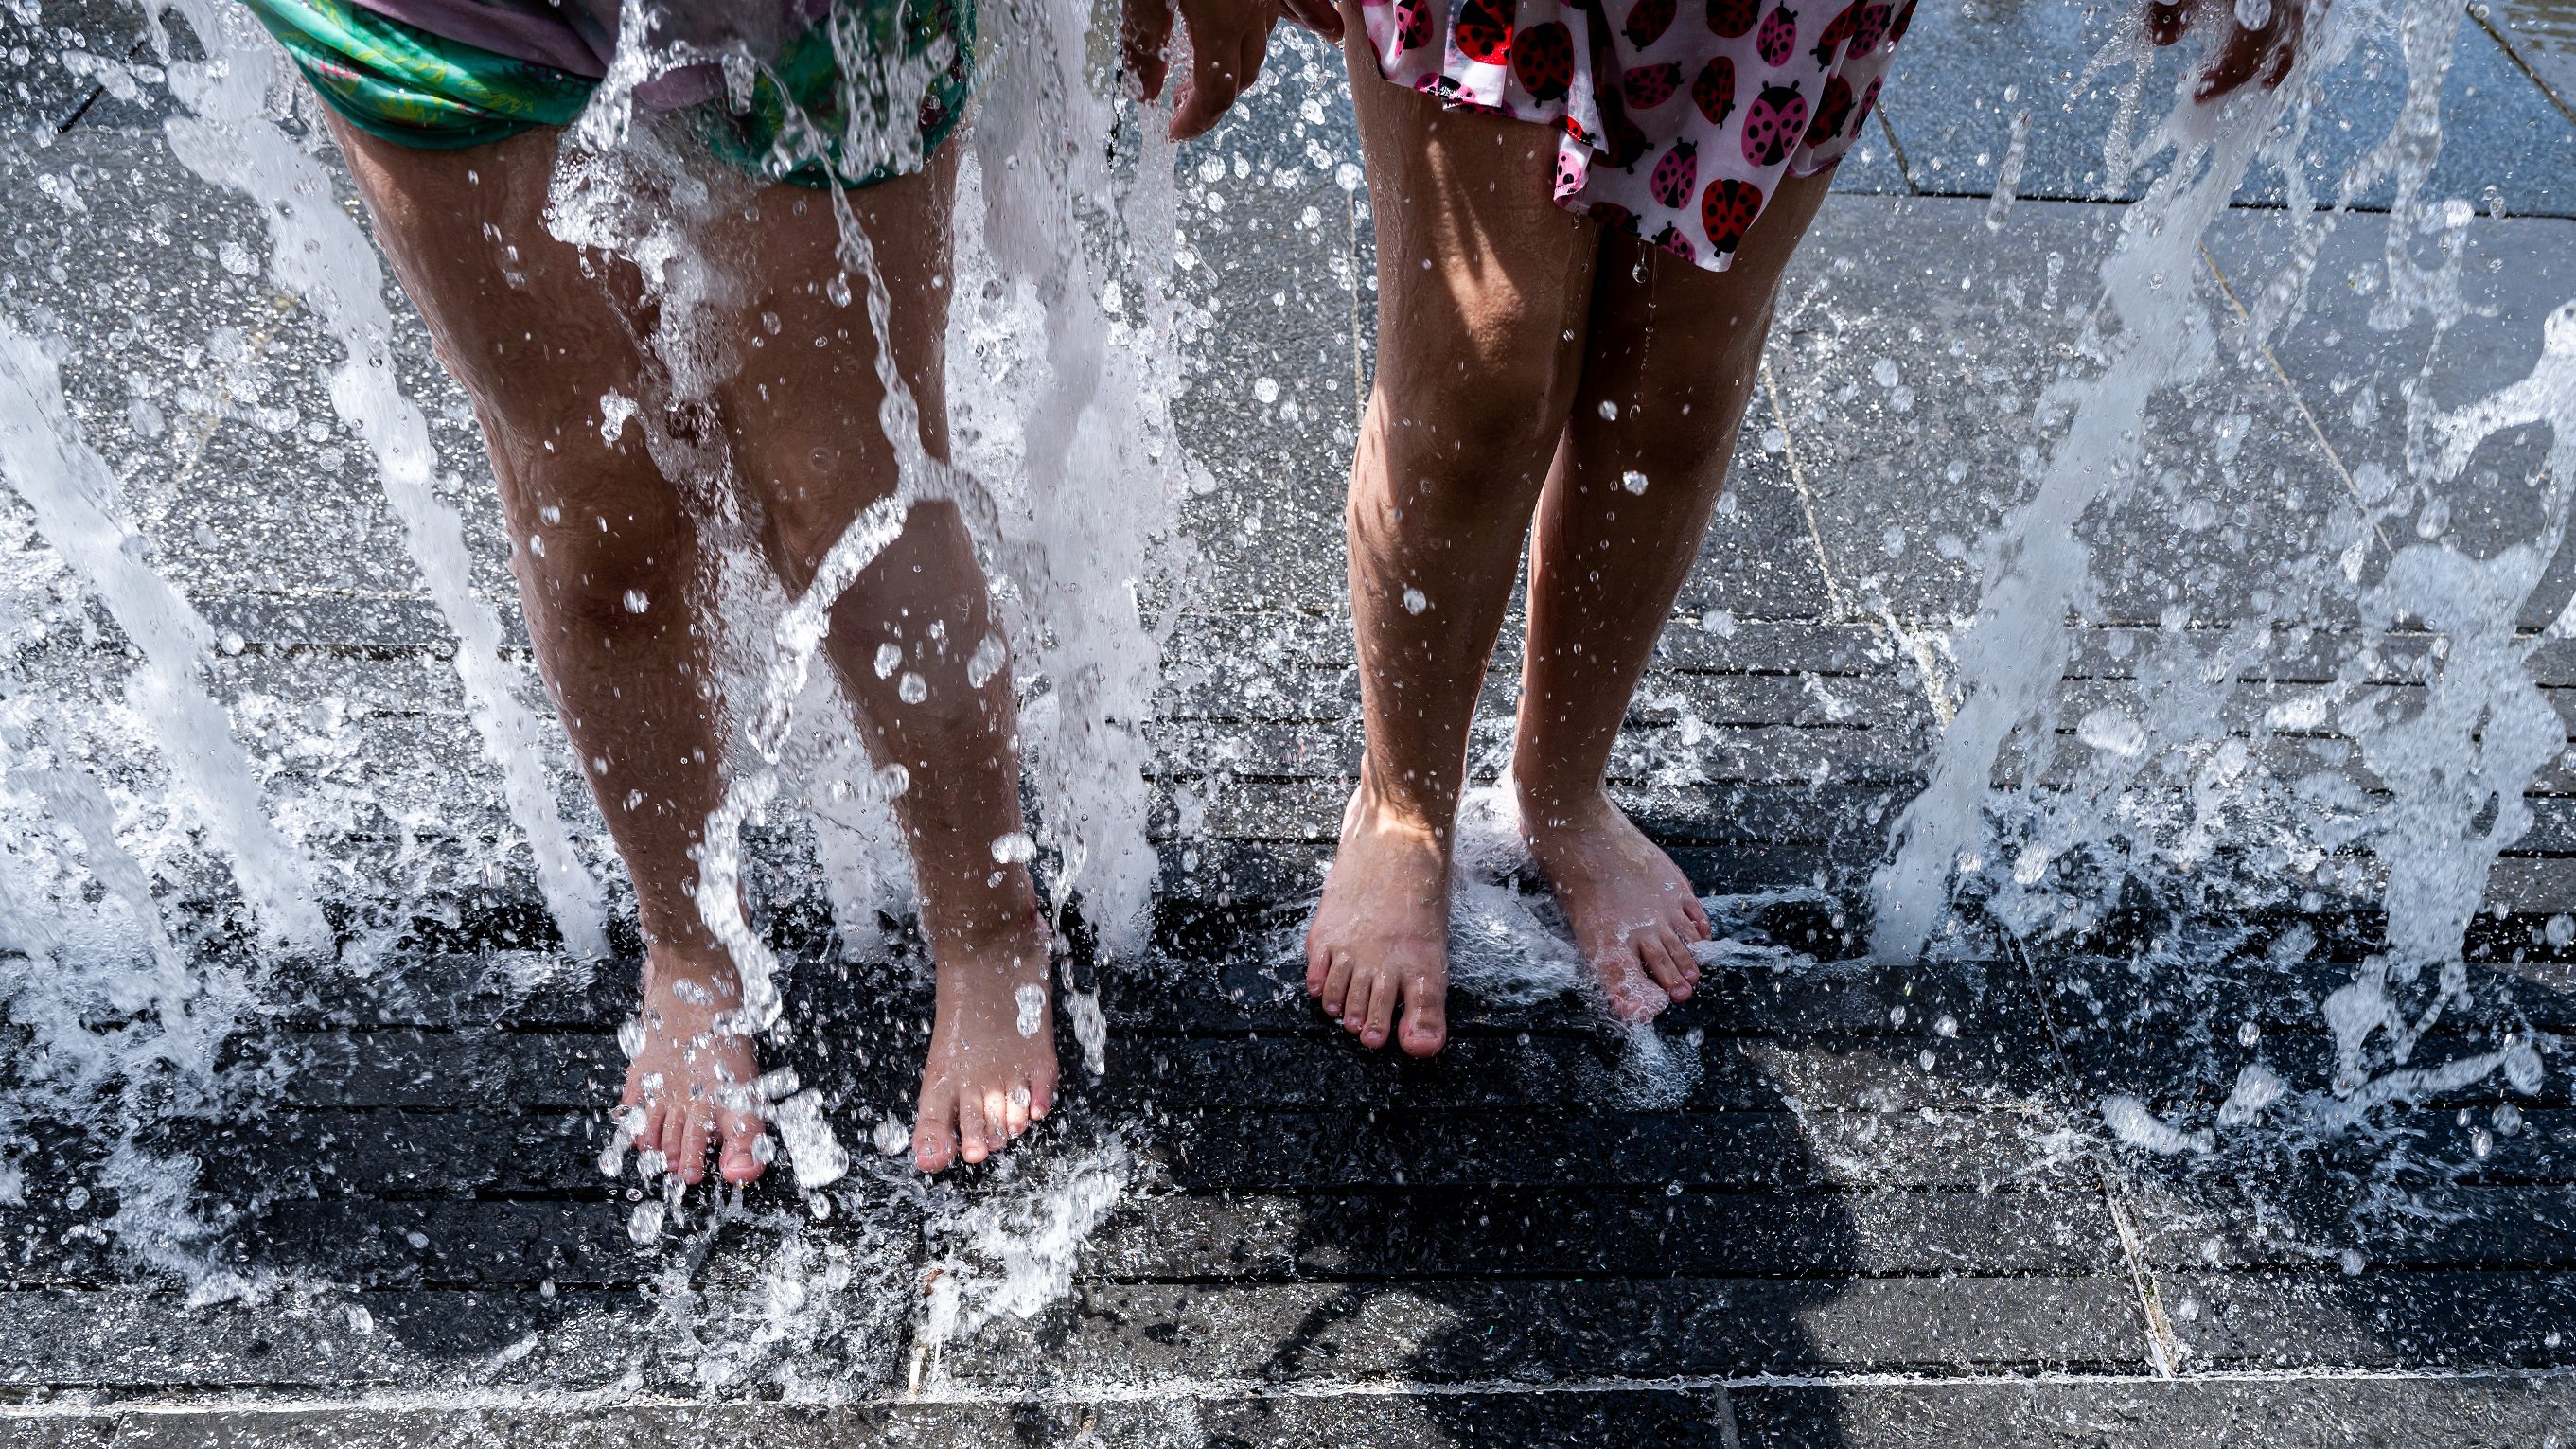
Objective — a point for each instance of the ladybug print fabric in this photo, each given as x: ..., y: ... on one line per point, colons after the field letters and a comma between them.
x: 1677, y: 117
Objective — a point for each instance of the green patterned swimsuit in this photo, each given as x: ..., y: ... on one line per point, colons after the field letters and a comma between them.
x: 444, y: 74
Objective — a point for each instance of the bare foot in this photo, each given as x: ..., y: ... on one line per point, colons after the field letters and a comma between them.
x: 1381, y: 934
x: 688, y: 1079
x: 991, y: 1069
x: 1633, y: 911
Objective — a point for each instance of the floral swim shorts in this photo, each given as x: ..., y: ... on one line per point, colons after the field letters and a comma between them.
x: 1677, y: 126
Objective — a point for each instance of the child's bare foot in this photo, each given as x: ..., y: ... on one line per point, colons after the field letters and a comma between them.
x: 689, y: 1080
x: 991, y: 1069
x: 1381, y: 934
x: 1633, y: 912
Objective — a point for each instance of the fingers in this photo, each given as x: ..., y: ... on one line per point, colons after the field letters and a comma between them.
x: 1322, y: 19
x: 2166, y: 22
x: 2267, y: 51
x: 2242, y: 54
x: 1228, y: 39
x: 1143, y: 34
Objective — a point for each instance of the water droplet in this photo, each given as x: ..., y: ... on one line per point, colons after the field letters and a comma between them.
x: 912, y: 688
x: 645, y: 1223
x: 636, y: 602
x: 1265, y: 390
x: 889, y: 657
x: 1415, y: 601
x: 1633, y: 481
x: 2248, y: 1033
x: 1031, y: 999
x: 987, y: 661
x: 231, y: 643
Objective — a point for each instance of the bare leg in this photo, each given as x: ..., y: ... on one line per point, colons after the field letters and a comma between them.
x: 606, y: 559
x: 608, y: 568
x: 1673, y: 356
x: 802, y: 411
x: 1482, y: 289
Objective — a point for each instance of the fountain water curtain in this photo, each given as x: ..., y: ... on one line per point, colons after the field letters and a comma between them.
x: 139, y: 833
x: 2040, y: 860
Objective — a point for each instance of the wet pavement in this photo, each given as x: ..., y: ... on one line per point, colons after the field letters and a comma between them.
x: 1828, y: 1202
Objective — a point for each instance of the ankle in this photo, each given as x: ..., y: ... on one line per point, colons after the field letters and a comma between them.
x: 1548, y: 808
x: 698, y: 976
x: 1012, y: 934
x: 1379, y: 808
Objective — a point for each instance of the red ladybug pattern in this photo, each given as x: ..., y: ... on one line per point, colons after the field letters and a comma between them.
x: 1484, y: 31
x: 1726, y: 212
x: 1647, y: 21
x: 1776, y: 88
x: 1714, y: 91
x: 1648, y: 86
x: 1730, y: 19
x: 1543, y: 60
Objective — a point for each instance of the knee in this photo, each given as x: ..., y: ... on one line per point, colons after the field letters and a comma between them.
x: 1471, y: 426
x: 814, y: 490
x: 615, y: 557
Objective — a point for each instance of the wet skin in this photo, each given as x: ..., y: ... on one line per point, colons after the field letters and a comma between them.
x: 613, y: 530
x: 1529, y: 363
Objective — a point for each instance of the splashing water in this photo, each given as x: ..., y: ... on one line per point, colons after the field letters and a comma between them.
x: 2436, y: 793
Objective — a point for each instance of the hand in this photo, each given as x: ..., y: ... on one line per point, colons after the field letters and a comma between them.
x: 2243, y: 53
x: 1228, y: 39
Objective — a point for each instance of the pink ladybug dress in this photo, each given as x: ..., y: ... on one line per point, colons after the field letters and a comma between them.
x: 1679, y: 117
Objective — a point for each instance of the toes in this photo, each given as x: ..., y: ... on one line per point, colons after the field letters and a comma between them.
x: 1337, y: 985
x: 691, y: 1163
x: 934, y: 1132
x: 1426, y: 1016
x: 1650, y: 944
x: 1633, y: 997
x: 1697, y: 915
x: 648, y: 1137
x: 1685, y: 978
x: 1006, y: 1117
x: 738, y: 1162
x: 1042, y: 1092
x: 1380, y: 1019
x: 1319, y: 961
x: 974, y: 1137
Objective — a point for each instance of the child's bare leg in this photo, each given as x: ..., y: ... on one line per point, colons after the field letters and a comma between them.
x: 1670, y: 367
x: 1481, y: 296
x: 907, y: 634
x: 606, y: 560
